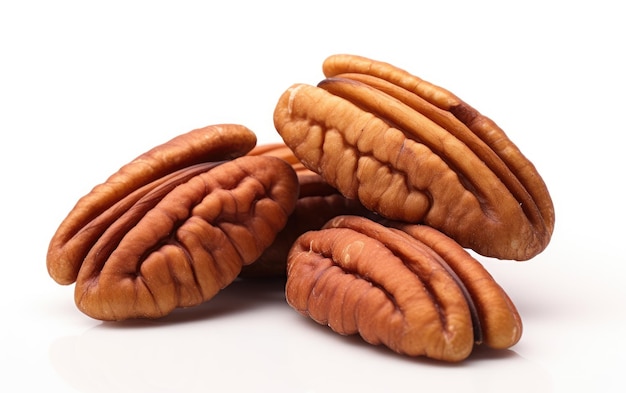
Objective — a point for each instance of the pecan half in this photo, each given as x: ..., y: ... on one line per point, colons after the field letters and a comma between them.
x: 414, y: 152
x: 317, y: 203
x: 74, y: 236
x: 412, y: 289
x: 156, y: 236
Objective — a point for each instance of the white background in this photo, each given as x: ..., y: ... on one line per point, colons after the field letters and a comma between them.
x: 87, y: 86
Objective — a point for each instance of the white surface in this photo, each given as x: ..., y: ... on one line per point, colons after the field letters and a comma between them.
x: 85, y: 88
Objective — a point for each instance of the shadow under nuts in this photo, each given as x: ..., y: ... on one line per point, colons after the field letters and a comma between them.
x: 173, y: 227
x: 414, y: 152
x: 410, y: 288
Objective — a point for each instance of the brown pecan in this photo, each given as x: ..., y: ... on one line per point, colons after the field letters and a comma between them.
x: 410, y: 288
x: 317, y: 203
x: 72, y: 239
x: 173, y: 227
x: 415, y: 152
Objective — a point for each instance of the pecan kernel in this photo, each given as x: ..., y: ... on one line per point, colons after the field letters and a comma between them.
x: 358, y: 276
x: 414, y: 152
x: 156, y: 236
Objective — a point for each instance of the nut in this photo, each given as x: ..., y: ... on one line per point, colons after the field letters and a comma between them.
x: 410, y: 288
x: 317, y: 203
x: 156, y: 236
x: 366, y: 208
x: 414, y: 152
x: 72, y: 240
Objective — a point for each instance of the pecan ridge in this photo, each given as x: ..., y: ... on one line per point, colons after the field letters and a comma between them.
x: 410, y: 288
x: 177, y: 240
x: 412, y: 151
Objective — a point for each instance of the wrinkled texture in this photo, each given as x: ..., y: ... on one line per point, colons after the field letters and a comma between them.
x: 410, y: 288
x: 177, y: 240
x: 317, y: 203
x: 70, y: 242
x: 414, y: 152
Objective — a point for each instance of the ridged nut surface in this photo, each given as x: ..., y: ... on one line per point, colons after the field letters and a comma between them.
x: 414, y: 152
x: 410, y: 288
x: 172, y: 228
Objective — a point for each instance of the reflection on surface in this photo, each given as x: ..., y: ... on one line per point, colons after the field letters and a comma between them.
x: 247, y: 339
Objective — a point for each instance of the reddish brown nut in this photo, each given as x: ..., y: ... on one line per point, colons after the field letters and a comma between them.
x: 74, y: 236
x: 414, y: 290
x: 141, y: 245
x: 414, y: 152
x: 317, y: 203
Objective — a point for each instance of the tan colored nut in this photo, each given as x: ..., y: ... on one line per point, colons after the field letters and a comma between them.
x: 177, y: 237
x: 413, y: 290
x: 317, y: 203
x: 414, y: 152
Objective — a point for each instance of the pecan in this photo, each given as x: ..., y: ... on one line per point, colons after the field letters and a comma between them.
x: 414, y: 152
x: 409, y: 287
x: 72, y: 239
x: 317, y: 203
x: 174, y: 226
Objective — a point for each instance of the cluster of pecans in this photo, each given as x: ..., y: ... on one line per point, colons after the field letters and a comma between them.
x: 382, y: 184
